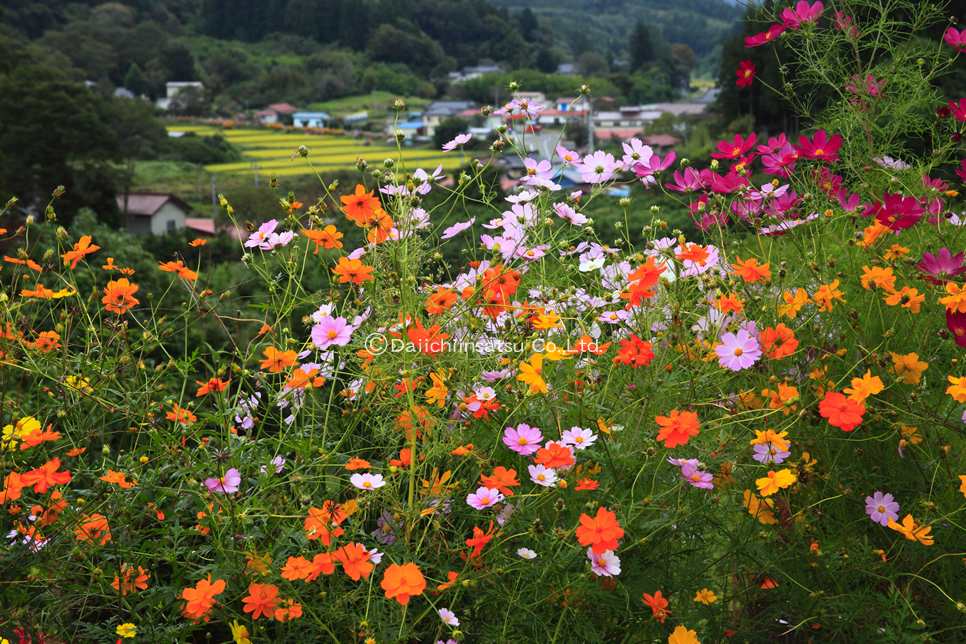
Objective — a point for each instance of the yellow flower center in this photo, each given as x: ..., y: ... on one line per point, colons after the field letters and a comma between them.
x: 819, y: 152
x: 738, y: 351
x: 332, y: 334
x: 881, y: 509
x: 521, y: 441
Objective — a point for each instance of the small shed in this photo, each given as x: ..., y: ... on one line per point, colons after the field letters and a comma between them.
x: 152, y: 213
x: 310, y: 119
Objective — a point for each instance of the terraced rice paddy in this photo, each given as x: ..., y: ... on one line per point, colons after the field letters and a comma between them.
x: 273, y: 151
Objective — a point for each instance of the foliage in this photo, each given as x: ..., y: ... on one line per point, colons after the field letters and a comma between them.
x: 418, y: 412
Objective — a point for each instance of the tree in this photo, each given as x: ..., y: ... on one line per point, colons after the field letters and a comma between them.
x: 178, y: 62
x: 137, y: 81
x: 51, y: 134
x: 547, y: 61
x: 528, y: 24
x: 448, y: 129
x: 640, y: 46
x: 592, y: 63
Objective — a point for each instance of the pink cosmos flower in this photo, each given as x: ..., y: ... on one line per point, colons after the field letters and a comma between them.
x: 605, y: 565
x: 598, y: 167
x: 456, y: 229
x: 697, y: 478
x: 542, y: 475
x: 260, y: 237
x: 820, y: 148
x: 484, y: 498
x: 881, y: 508
x: 956, y: 323
x: 769, y: 454
x: 331, y: 331
x: 578, y: 437
x: 765, y: 37
x: 567, y: 156
x: 449, y: 617
x: 956, y: 39
x: 536, y: 170
x: 457, y: 143
x: 279, y: 464
x: 367, y: 481
x: 803, y: 14
x: 566, y: 212
x: 737, y: 352
x: 227, y: 484
x: 523, y: 439
x: 635, y: 151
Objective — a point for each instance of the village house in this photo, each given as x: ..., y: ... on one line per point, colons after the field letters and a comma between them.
x: 275, y: 113
x: 439, y: 111
x: 152, y: 213
x: 311, y: 119
x: 174, y: 89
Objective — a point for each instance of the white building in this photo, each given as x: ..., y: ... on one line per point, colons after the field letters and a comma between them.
x: 173, y: 89
x: 152, y: 213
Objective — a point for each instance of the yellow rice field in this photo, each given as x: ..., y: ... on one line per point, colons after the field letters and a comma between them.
x: 273, y: 151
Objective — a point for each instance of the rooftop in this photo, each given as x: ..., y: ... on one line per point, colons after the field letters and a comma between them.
x: 148, y: 203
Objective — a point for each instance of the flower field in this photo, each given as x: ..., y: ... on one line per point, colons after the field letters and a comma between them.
x: 272, y: 151
x: 570, y: 435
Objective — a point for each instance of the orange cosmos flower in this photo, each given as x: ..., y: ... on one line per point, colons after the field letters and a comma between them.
x: 730, y: 303
x: 127, y: 585
x: 778, y: 342
x: 119, y: 478
x: 352, y: 270
x: 355, y: 561
x: 825, y: 294
x: 402, y: 582
x: 180, y: 269
x: 44, y: 293
x: 502, y: 479
x: 357, y: 464
x: 908, y: 366
x: 440, y: 301
x: 642, y: 282
x: 194, y: 243
x: 323, y: 564
x: 275, y: 360
x: 554, y: 455
x: 878, y: 277
x: 81, y: 249
x: 12, y: 485
x: 301, y: 379
x: 328, y: 237
x: 750, y: 271
x: 38, y: 436
x: 296, y: 568
x: 677, y: 428
x: 201, y: 598
x: 179, y: 415
x: 262, y: 600
x: 429, y: 341
x: 841, y: 412
x: 908, y: 298
x: 214, y: 384
x: 600, y: 532
x: 29, y: 263
x: 46, y: 341
x: 658, y: 605
x: 119, y: 296
x: 289, y: 610
x: 94, y: 529
x: 45, y: 476
x: 693, y: 253
x: 361, y: 207
x: 321, y: 523
x: 912, y: 531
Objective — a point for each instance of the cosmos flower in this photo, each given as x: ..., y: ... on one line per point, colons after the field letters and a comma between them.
x: 227, y: 484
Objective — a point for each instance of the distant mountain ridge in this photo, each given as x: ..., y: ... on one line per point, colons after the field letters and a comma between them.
x: 606, y: 25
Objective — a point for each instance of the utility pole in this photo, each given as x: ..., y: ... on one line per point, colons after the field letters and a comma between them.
x: 590, y: 124
x: 256, y: 174
x: 214, y: 198
x: 201, y: 197
x: 374, y: 108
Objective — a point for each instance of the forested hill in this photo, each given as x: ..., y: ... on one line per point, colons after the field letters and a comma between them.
x: 607, y: 24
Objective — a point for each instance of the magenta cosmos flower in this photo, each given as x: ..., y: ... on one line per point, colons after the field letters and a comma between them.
x: 331, y: 331
x: 802, y: 14
x: 881, y: 507
x: 605, y: 565
x: 820, y: 147
x: 483, y: 498
x: 940, y: 267
x: 523, y: 439
x: 745, y: 73
x: 955, y: 39
x: 765, y: 37
x: 737, y: 352
x: 228, y: 483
